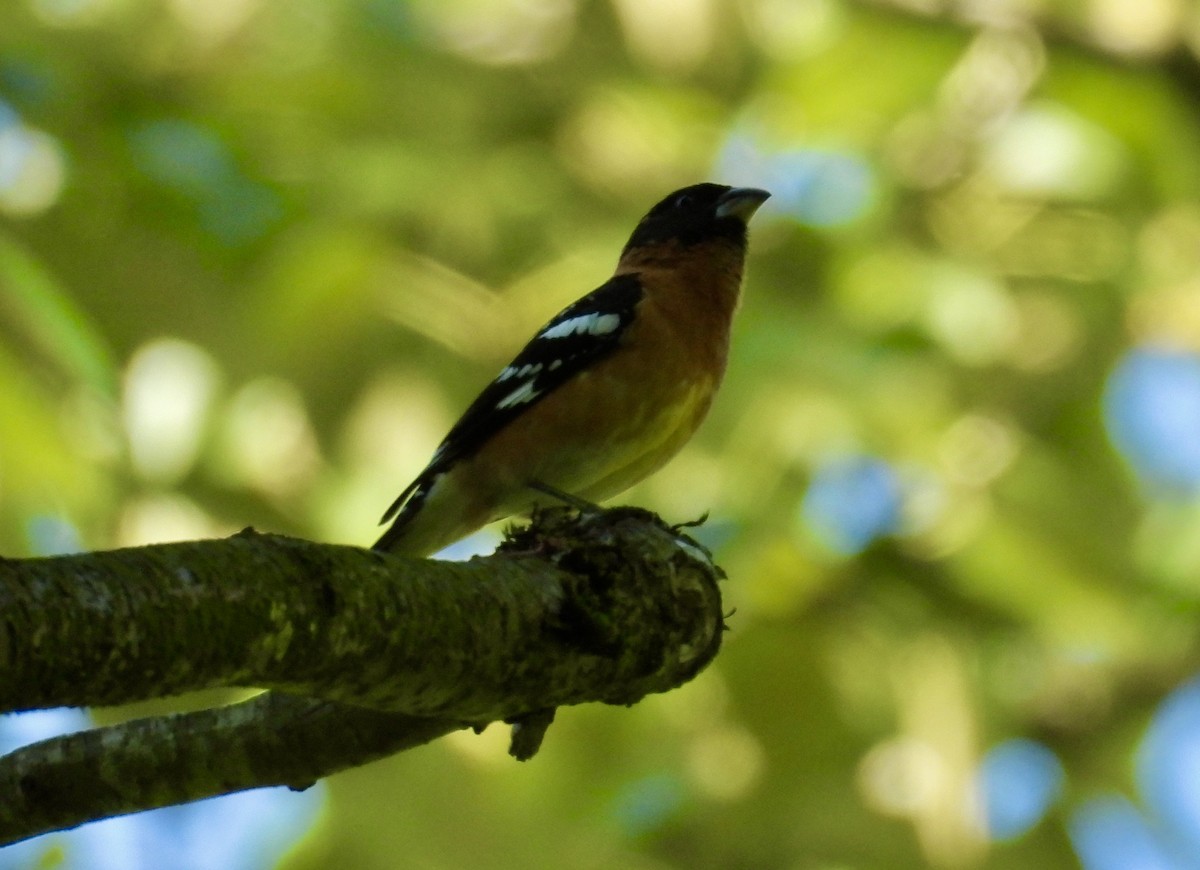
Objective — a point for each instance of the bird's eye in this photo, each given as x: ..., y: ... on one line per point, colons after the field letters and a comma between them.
x: 684, y: 200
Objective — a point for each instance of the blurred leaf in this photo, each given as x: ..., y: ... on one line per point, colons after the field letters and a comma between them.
x: 42, y: 309
x: 42, y: 471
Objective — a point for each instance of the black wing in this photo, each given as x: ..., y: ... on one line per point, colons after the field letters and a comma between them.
x: 582, y: 333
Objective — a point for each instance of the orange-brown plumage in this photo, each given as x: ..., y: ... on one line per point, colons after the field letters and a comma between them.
x: 607, y: 391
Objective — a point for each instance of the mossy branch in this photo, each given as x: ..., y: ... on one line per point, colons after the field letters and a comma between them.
x: 366, y: 654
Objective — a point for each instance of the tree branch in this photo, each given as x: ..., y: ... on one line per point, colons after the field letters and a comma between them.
x: 272, y: 739
x: 602, y: 607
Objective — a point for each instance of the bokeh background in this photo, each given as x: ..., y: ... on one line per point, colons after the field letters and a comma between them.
x: 256, y: 255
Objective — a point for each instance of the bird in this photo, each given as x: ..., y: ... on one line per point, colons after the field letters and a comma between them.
x: 606, y: 392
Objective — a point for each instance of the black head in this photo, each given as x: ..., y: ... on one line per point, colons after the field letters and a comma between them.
x: 700, y: 213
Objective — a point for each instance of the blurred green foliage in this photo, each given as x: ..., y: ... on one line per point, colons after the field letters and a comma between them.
x: 256, y: 255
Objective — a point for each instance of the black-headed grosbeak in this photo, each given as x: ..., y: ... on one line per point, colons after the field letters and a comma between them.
x: 606, y: 392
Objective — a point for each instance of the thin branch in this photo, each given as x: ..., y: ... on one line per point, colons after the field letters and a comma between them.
x: 272, y: 739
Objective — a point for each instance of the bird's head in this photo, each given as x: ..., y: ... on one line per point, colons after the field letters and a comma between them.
x: 699, y: 213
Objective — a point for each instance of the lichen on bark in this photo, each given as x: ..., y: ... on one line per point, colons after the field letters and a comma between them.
x: 363, y: 654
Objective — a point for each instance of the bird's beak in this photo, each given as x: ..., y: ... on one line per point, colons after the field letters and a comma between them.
x: 741, y: 202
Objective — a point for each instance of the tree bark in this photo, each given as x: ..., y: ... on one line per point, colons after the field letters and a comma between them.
x: 366, y: 654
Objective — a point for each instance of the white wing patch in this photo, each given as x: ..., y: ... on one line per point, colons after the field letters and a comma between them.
x: 585, y: 324
x: 526, y: 371
x: 519, y: 396
x: 595, y: 323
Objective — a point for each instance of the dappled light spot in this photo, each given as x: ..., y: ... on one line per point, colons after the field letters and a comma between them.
x: 168, y: 393
x: 162, y: 518
x: 1109, y: 833
x: 725, y: 762
x: 386, y: 435
x: 669, y: 34
x: 1167, y: 545
x: 1139, y: 29
x: 1048, y: 151
x: 52, y: 536
x: 1152, y: 413
x: 1049, y: 333
x: 971, y: 315
x: 32, y: 166
x: 852, y: 502
x: 948, y: 519
x: 823, y: 188
x: 631, y: 139
x: 790, y: 30
x: 214, y: 20
x: 902, y: 776
x: 922, y: 153
x: 71, y: 13
x: 1168, y: 765
x: 647, y: 804
x: 1168, y: 314
x: 1019, y: 781
x: 820, y: 187
x: 976, y: 449
x: 510, y: 32
x: 1168, y: 245
x: 267, y: 441
x: 994, y: 74
x: 181, y: 155
x: 194, y: 162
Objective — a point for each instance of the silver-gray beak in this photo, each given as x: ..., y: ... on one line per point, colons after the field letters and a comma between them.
x: 741, y: 202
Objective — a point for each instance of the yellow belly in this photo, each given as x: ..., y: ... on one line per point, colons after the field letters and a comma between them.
x: 604, y: 460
